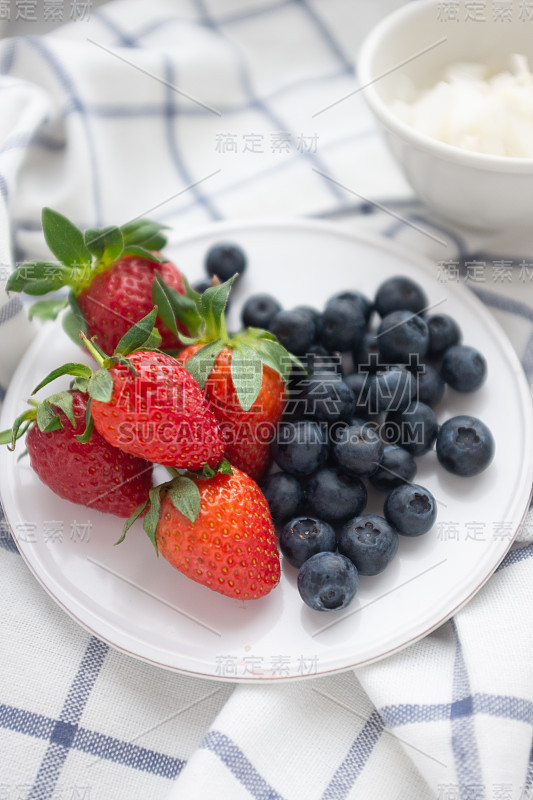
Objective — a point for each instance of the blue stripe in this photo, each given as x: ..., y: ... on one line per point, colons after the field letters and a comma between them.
x: 527, y: 358
x: 494, y: 705
x: 172, y: 139
x: 528, y: 783
x: 255, y: 102
x: 354, y: 762
x: 4, y: 191
x: 515, y: 556
x: 414, y: 713
x: 10, y: 309
x: 65, y: 728
x: 503, y: 303
x: 243, y: 769
x: 505, y: 706
x: 103, y: 747
x: 464, y: 744
x: 74, y: 102
x: 328, y: 39
x: 8, y: 56
x: 131, y: 755
x: 123, y: 39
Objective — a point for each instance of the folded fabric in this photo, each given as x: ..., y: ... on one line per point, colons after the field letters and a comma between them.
x: 190, y: 112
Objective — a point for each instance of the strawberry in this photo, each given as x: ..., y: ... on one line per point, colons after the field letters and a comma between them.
x: 147, y: 404
x: 242, y: 375
x: 93, y: 474
x: 110, y: 273
x: 247, y: 431
x: 216, y: 530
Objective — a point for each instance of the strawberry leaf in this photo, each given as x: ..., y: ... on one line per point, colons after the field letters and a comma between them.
x: 77, y: 370
x: 107, y: 244
x: 185, y: 497
x: 131, y: 519
x: 225, y: 467
x: 100, y: 386
x: 80, y: 384
x: 202, y: 362
x: 46, y: 309
x: 152, y: 515
x: 137, y: 336
x: 73, y: 320
x: 47, y: 418
x: 212, y: 304
x: 144, y: 232
x: 64, y: 401
x: 246, y: 374
x: 89, y: 425
x: 142, y: 252
x: 38, y: 278
x: 64, y: 239
x: 20, y: 426
x: 182, y: 308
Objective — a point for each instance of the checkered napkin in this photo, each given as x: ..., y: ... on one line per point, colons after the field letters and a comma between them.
x: 197, y: 110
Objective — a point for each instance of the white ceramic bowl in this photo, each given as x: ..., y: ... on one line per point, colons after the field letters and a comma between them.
x: 469, y: 188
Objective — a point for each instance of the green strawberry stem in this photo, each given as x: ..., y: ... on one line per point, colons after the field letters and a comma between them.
x: 43, y: 414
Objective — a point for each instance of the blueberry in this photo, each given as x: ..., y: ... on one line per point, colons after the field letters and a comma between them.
x: 258, y: 311
x: 429, y: 385
x: 302, y: 537
x: 300, y: 447
x: 359, y: 383
x: 369, y: 541
x: 390, y: 390
x: 399, y: 294
x: 318, y: 359
x: 333, y: 496
x: 402, y: 337
x: 397, y: 467
x: 463, y: 368
x: 411, y: 509
x: 465, y: 446
x: 358, y: 450
x: 327, y: 581
x: 365, y: 356
x: 327, y: 398
x: 224, y: 260
x: 284, y: 495
x: 343, y: 326
x: 414, y: 429
x: 315, y: 315
x: 443, y: 333
x: 358, y: 299
x: 294, y: 329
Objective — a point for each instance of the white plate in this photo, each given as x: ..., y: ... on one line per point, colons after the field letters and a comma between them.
x: 142, y: 606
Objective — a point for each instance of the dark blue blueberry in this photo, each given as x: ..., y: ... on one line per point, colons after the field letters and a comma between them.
x: 327, y: 581
x: 429, y: 385
x: 258, y: 311
x: 343, y: 326
x: 303, y: 537
x: 358, y: 299
x: 414, y: 429
x: 333, y: 496
x: 224, y: 260
x: 369, y: 541
x: 284, y: 495
x: 463, y: 368
x: 315, y: 315
x: 294, y: 329
x: 300, y: 447
x: 365, y: 356
x: 318, y: 359
x: 358, y: 450
x: 402, y: 337
x: 397, y: 467
x: 327, y: 398
x: 400, y: 294
x: 390, y: 390
x: 465, y: 446
x: 443, y: 333
x: 411, y: 509
x: 359, y: 383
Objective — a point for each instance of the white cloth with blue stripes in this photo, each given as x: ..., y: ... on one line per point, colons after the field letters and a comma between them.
x: 191, y: 111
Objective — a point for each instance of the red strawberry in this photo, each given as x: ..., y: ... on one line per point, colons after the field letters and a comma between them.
x: 247, y: 433
x: 122, y: 295
x: 93, y: 474
x: 159, y: 414
x: 231, y: 545
x: 110, y: 272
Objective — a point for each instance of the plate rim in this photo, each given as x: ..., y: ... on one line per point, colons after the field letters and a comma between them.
x: 417, y: 258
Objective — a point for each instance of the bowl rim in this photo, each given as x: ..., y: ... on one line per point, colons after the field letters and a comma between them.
x: 390, y: 120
